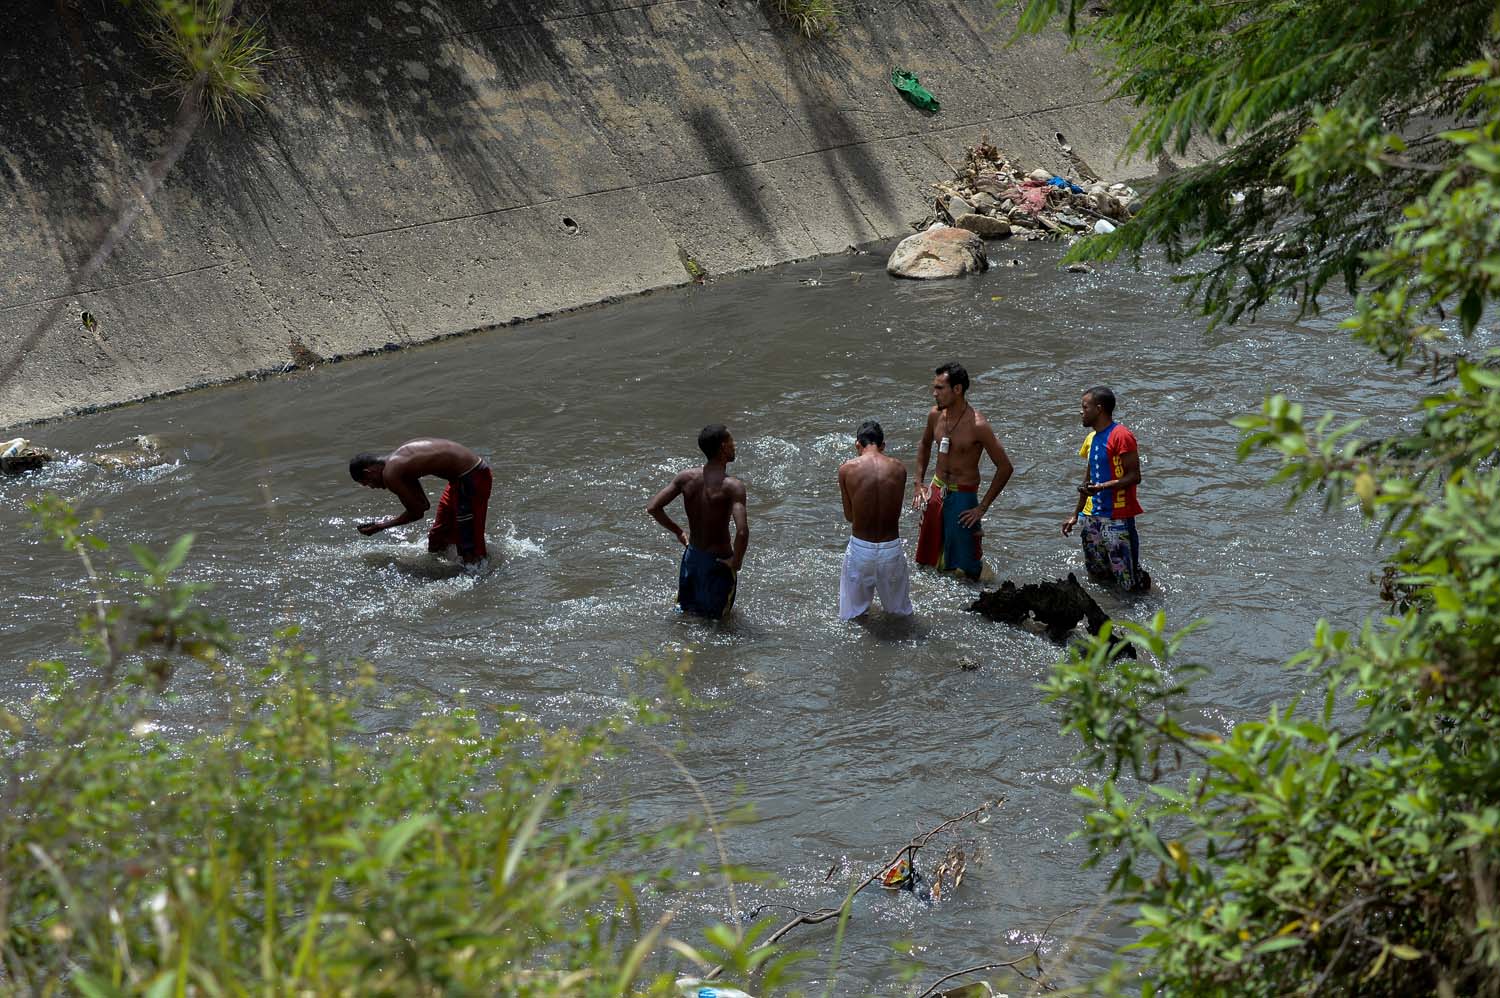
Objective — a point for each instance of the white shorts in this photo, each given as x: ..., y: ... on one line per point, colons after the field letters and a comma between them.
x: 870, y: 566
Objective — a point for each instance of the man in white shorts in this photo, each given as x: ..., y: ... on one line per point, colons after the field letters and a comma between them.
x: 873, y: 487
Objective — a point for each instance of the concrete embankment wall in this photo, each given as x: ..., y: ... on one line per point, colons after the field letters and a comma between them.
x: 428, y: 167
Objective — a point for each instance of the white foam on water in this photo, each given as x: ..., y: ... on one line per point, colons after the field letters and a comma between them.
x: 516, y: 546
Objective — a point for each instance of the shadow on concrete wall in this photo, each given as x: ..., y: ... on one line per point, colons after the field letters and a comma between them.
x: 722, y: 150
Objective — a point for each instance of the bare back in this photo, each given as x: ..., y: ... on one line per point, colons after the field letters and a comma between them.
x: 709, y: 496
x: 429, y: 456
x: 873, y: 486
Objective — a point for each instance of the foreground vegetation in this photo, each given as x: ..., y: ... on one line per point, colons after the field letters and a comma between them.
x: 285, y: 848
x: 1349, y: 841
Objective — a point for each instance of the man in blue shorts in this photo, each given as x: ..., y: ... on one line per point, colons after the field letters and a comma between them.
x: 949, y: 538
x: 707, y: 577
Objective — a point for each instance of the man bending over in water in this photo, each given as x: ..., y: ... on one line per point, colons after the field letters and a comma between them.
x: 949, y: 537
x: 706, y: 578
x: 873, y: 487
x: 461, y: 510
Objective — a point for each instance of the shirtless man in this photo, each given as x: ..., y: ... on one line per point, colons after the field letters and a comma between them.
x: 872, y: 486
x: 949, y: 538
x: 460, y: 513
x: 706, y: 577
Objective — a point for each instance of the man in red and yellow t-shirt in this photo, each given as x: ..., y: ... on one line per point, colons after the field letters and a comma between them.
x: 1107, y: 506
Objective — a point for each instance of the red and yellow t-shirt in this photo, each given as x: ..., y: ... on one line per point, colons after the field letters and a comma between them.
x: 1103, y: 449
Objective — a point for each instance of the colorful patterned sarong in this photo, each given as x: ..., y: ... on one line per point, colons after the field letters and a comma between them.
x: 942, y: 542
x: 1112, y: 550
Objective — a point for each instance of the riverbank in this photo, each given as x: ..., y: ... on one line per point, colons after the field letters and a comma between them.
x: 425, y: 170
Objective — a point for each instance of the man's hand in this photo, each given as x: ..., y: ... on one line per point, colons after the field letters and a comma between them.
x: 970, y: 518
x: 682, y: 536
x: 732, y: 564
x: 919, y: 498
x: 1094, y: 488
x: 373, y: 527
x: 1069, y: 524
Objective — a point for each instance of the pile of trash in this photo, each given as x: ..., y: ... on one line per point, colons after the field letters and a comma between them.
x: 995, y: 200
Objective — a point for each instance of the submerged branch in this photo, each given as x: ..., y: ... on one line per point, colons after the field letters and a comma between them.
x: 909, y: 851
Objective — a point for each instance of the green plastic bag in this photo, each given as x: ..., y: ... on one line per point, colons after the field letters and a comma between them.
x: 916, y: 95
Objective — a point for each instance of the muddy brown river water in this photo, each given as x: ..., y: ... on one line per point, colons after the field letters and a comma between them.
x: 847, y: 739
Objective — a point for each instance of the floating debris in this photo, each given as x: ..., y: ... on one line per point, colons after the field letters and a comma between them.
x: 18, y: 455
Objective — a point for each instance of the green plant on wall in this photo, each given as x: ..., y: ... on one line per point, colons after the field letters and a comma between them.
x: 211, y: 56
x: 809, y: 18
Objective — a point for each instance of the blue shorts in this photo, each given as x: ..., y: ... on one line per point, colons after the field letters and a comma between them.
x: 961, y: 550
x: 705, y: 585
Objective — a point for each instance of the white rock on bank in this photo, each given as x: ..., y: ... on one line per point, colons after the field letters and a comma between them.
x: 941, y: 251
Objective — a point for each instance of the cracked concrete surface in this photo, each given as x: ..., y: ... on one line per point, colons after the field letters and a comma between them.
x: 412, y: 172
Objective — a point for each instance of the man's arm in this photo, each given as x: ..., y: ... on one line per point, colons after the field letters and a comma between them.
x: 844, y: 492
x: 1003, y: 471
x: 414, y: 503
x: 924, y: 451
x: 1130, y: 462
x: 657, y: 507
x: 1083, y: 495
x: 741, y: 523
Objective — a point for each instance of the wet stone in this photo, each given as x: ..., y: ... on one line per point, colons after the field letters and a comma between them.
x: 942, y: 251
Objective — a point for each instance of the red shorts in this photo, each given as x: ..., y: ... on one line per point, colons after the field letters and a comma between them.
x: 460, y: 514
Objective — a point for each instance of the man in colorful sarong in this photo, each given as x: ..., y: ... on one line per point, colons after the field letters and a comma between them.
x: 950, y: 536
x: 459, y: 520
x: 1107, y: 506
x: 707, y: 576
x: 873, y: 487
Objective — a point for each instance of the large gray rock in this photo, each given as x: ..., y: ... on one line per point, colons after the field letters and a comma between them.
x: 941, y: 251
x: 983, y: 226
x: 957, y: 207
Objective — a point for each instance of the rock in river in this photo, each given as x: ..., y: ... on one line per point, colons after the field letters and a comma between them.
x: 941, y: 251
x: 983, y: 226
x: 19, y: 455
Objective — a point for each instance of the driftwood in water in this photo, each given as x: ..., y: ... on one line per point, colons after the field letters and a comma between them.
x: 1056, y: 607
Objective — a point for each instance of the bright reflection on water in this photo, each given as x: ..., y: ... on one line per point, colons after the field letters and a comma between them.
x: 848, y: 739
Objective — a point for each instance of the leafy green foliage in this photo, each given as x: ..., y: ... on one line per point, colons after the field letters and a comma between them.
x: 1359, y: 85
x: 282, y: 847
x: 1348, y: 842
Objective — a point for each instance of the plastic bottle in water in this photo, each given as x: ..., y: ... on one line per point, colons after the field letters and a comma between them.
x: 692, y: 987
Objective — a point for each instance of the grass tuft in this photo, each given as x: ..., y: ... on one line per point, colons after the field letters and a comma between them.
x: 810, y: 18
x: 212, y: 57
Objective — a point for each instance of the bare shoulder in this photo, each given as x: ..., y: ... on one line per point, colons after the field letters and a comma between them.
x: 982, y: 424
x: 735, y: 488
